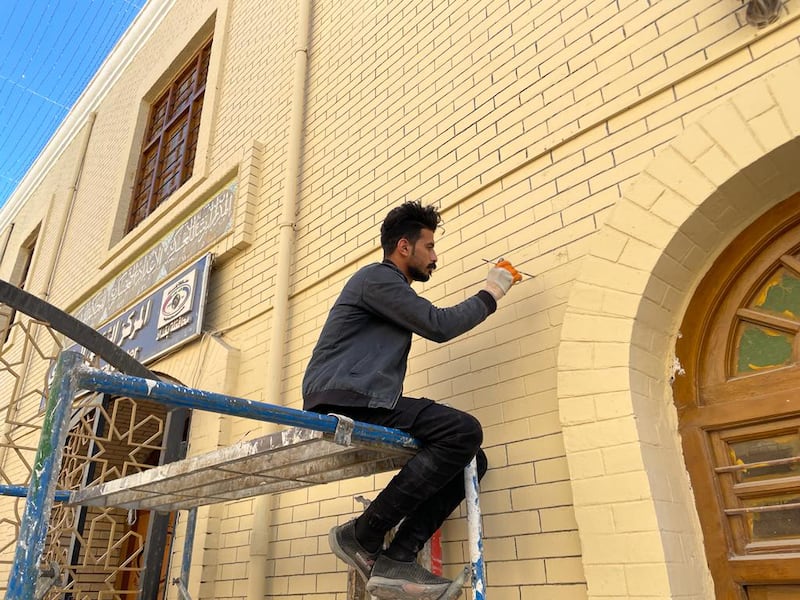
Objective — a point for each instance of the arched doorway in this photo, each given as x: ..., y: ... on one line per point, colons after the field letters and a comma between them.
x: 739, y: 408
x: 638, y: 522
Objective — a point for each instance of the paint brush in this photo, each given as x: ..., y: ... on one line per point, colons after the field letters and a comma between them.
x: 494, y: 262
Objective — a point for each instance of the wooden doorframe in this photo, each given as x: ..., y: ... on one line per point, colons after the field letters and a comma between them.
x: 702, y: 336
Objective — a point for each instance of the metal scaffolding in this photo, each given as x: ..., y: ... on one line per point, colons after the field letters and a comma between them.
x: 315, y: 449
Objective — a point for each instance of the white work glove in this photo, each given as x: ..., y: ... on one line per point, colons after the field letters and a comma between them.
x: 500, y: 279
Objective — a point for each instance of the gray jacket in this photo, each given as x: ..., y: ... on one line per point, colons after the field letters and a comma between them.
x: 364, y: 344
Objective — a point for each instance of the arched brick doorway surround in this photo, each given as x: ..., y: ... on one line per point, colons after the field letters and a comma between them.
x: 637, y: 521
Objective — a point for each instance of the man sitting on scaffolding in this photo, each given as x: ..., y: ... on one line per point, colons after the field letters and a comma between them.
x: 357, y: 369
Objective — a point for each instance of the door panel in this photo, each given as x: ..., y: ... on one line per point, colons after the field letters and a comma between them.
x: 789, y: 592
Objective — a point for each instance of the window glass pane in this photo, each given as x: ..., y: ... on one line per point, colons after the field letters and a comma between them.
x: 205, y: 59
x: 140, y: 214
x: 760, y: 347
x: 157, y: 117
x: 173, y: 151
x: 780, y: 295
x: 142, y: 193
x: 194, y: 130
x: 173, y: 147
x: 168, y: 185
x: 776, y: 451
x: 773, y: 521
x: 183, y: 92
x: 172, y: 161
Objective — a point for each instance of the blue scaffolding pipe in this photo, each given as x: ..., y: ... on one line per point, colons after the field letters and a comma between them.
x: 184, y: 397
x: 474, y: 530
x: 46, y: 466
x: 20, y: 491
x: 71, y: 375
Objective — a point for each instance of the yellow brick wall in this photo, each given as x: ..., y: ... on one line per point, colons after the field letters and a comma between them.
x: 727, y: 167
x: 526, y: 122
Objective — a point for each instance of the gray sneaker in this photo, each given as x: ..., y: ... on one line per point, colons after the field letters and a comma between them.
x: 396, y: 580
x: 344, y: 544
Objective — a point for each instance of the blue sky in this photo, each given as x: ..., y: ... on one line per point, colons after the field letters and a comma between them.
x: 50, y: 51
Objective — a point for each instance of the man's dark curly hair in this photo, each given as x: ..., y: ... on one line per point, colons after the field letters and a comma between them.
x: 407, y: 221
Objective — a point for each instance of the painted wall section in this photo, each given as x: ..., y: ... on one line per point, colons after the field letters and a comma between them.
x: 526, y: 122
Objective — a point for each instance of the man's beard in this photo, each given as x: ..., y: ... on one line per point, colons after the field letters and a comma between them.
x: 419, y: 275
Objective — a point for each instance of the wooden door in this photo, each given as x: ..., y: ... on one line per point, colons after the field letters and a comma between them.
x: 739, y: 409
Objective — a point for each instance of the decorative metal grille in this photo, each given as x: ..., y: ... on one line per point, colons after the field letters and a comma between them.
x: 92, y: 553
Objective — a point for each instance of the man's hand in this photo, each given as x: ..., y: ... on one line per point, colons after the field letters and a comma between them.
x: 500, y: 279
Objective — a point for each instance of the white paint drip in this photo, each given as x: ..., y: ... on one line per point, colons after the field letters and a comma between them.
x: 676, y: 369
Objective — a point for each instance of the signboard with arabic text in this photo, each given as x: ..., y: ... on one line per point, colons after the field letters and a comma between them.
x: 165, y: 319
x: 208, y: 224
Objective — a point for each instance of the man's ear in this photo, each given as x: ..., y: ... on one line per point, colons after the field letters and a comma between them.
x: 403, y: 246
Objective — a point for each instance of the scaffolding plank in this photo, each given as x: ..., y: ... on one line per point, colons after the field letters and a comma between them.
x: 181, y: 502
x: 281, y: 461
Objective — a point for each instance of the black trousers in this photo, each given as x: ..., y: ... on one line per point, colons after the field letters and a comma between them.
x: 431, y: 485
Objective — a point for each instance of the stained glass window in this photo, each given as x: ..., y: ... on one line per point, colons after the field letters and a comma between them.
x: 766, y: 330
x: 762, y: 348
x: 780, y: 295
